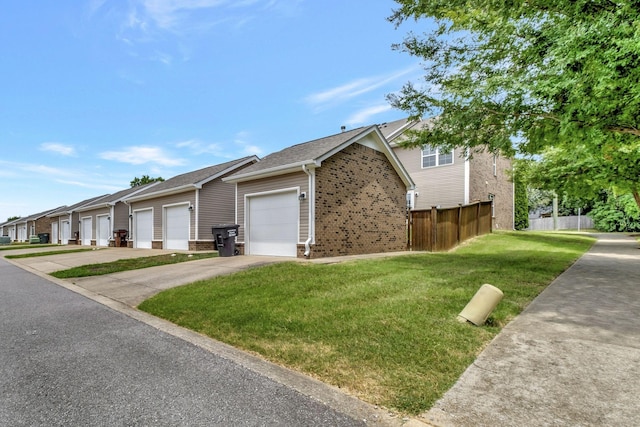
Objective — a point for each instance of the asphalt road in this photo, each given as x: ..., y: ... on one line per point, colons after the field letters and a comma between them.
x: 68, y: 360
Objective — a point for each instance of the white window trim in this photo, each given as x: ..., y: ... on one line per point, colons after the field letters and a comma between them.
x: 437, y: 157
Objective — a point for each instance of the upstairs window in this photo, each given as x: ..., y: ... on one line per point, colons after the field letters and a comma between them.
x: 435, y: 156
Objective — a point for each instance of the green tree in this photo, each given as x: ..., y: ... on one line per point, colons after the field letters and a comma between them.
x: 144, y: 180
x: 585, y: 171
x: 521, y: 202
x: 525, y: 76
x: 13, y: 218
x: 616, y: 213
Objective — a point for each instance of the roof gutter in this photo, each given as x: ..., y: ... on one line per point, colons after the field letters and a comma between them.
x: 265, y: 173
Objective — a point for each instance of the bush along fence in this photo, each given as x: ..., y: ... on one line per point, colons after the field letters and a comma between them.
x: 440, y: 229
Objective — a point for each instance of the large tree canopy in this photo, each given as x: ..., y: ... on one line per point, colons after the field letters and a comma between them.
x: 146, y: 179
x: 541, y: 73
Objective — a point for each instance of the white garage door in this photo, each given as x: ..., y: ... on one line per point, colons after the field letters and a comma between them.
x: 176, y: 227
x: 143, y: 228
x: 103, y: 231
x: 54, y: 233
x: 273, y: 224
x: 66, y: 232
x: 87, y: 225
x: 22, y: 233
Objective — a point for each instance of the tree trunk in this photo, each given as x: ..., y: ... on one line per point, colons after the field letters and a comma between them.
x: 636, y: 196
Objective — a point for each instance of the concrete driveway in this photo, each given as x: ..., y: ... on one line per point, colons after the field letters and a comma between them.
x: 134, y: 286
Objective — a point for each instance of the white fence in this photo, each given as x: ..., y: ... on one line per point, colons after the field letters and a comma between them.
x: 573, y: 222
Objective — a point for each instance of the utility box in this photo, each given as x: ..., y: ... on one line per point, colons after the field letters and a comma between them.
x: 224, y: 236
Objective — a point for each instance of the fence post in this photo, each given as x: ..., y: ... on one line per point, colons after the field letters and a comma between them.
x: 459, y: 222
x: 478, y: 218
x: 409, y: 231
x: 434, y: 228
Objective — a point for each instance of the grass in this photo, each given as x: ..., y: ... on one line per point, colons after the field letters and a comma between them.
x: 14, y: 246
x: 37, y: 254
x: 129, y: 264
x: 384, y: 330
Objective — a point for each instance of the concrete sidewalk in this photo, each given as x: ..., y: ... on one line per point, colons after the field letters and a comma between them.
x: 572, y: 358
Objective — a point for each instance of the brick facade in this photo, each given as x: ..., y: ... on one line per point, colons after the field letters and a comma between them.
x: 486, y: 179
x: 360, y: 205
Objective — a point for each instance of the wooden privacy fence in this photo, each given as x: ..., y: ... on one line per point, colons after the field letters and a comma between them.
x: 442, y: 229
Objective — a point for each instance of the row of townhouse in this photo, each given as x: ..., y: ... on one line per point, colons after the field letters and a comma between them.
x: 344, y: 194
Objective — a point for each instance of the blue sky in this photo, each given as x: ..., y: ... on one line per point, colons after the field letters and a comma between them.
x: 97, y: 92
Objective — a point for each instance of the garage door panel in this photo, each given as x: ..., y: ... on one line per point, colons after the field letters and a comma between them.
x: 87, y: 229
x: 273, y: 224
x: 103, y: 231
x: 177, y: 227
x: 144, y: 229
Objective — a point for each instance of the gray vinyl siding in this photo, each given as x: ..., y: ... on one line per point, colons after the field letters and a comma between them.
x: 158, y: 205
x: 121, y: 213
x: 437, y: 186
x: 94, y: 213
x: 215, y: 206
x: 264, y: 185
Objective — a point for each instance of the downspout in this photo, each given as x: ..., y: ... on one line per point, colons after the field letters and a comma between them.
x: 311, y: 199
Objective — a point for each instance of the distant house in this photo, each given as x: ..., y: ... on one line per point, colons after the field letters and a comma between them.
x: 101, y: 217
x: 179, y: 213
x: 32, y: 225
x: 9, y: 229
x: 65, y: 222
x: 340, y: 195
x: 447, y: 179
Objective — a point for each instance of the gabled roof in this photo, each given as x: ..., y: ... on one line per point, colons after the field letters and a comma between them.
x: 12, y: 222
x: 311, y: 154
x: 191, y: 180
x: 36, y: 216
x: 112, y: 199
x: 395, y: 129
x: 65, y: 210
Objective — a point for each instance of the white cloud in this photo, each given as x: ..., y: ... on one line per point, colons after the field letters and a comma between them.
x: 93, y: 186
x: 168, y: 14
x: 65, y: 150
x: 241, y: 139
x: 339, y: 94
x: 45, y: 170
x: 140, y: 155
x: 198, y: 147
x: 252, y: 150
x: 364, y: 116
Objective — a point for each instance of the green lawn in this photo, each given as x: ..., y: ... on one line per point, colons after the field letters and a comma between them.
x: 130, y: 264
x: 47, y: 253
x: 385, y: 330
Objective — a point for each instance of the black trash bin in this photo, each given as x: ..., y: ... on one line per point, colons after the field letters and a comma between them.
x: 44, y: 237
x: 224, y: 236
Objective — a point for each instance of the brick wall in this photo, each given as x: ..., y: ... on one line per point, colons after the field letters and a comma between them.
x: 360, y: 205
x: 483, y: 181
